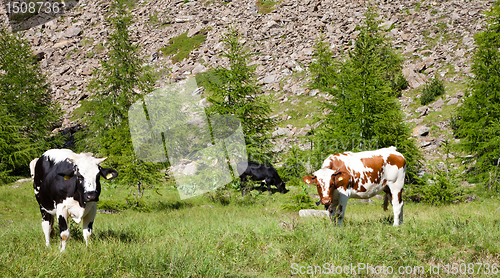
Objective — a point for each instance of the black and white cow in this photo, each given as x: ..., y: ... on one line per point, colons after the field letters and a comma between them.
x: 260, y: 172
x: 67, y: 184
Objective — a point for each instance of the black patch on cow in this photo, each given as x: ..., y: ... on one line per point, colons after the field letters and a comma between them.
x: 53, y: 185
x: 90, y: 225
x: 63, y: 226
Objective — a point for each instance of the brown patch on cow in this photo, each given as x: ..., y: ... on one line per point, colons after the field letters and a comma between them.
x: 399, y: 196
x: 335, y: 163
x: 309, y: 179
x: 397, y: 160
x: 355, y: 179
x: 376, y: 163
x: 362, y: 189
x: 340, y: 179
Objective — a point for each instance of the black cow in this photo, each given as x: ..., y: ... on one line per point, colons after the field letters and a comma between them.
x: 67, y: 184
x: 260, y: 172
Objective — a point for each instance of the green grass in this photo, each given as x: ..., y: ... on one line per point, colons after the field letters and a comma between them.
x: 196, y: 238
x: 298, y: 109
x: 265, y: 7
x: 181, y: 46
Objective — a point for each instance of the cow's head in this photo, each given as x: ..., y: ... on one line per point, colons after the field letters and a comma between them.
x: 86, y: 171
x: 282, y: 187
x: 327, y: 181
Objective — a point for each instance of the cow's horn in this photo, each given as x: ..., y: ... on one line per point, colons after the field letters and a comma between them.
x: 100, y: 160
x: 335, y: 172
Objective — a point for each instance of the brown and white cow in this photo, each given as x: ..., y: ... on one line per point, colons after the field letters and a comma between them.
x: 360, y: 175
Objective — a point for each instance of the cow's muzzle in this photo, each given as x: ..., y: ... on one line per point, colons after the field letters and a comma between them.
x: 326, y: 201
x: 91, y: 196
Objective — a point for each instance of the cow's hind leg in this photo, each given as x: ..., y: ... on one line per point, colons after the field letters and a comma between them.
x: 243, y: 184
x: 88, y: 221
x: 397, y: 206
x: 62, y: 219
x: 47, y: 222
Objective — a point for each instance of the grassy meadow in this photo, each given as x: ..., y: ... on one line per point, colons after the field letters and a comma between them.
x: 250, y: 237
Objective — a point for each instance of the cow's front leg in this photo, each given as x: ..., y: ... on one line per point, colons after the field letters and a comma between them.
x: 47, y: 222
x: 332, y: 209
x: 88, y: 220
x: 62, y: 219
x: 341, y: 208
x: 268, y: 182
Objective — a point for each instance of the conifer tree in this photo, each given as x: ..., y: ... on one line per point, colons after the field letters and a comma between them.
x: 235, y: 92
x: 478, y: 120
x: 120, y: 82
x: 122, y: 78
x: 27, y: 112
x: 365, y: 113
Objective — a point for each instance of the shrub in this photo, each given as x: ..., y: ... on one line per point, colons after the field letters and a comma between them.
x: 431, y: 91
x: 293, y: 168
x: 437, y: 189
x: 299, y: 201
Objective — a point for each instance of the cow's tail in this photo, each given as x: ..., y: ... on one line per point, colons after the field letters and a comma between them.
x: 386, y: 201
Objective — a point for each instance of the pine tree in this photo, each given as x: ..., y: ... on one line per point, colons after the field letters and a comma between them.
x: 478, y: 120
x: 235, y: 92
x: 120, y: 82
x: 365, y: 113
x: 122, y: 78
x: 27, y: 112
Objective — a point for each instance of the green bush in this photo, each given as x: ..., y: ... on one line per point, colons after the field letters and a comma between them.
x: 437, y: 189
x: 299, y: 201
x: 431, y: 91
x: 293, y: 168
x: 111, y: 205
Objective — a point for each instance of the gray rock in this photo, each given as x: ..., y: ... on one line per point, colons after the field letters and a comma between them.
x: 452, y: 101
x: 438, y: 103
x: 270, y: 79
x: 72, y: 32
x: 423, y: 110
x: 62, y: 44
x: 199, y: 68
x: 280, y: 131
x: 194, y: 31
x: 421, y: 130
x: 313, y: 92
x: 313, y: 212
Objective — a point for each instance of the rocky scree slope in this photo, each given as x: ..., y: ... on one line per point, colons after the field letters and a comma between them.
x: 435, y: 38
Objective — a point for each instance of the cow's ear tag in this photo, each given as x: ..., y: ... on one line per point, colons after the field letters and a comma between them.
x: 66, y: 177
x: 340, y: 178
x: 109, y: 176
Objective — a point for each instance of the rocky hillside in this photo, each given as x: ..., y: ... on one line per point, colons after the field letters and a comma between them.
x: 435, y: 38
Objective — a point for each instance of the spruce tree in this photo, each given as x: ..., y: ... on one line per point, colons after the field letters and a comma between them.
x: 27, y: 112
x: 121, y: 80
x: 365, y: 113
x: 478, y: 120
x: 235, y: 92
